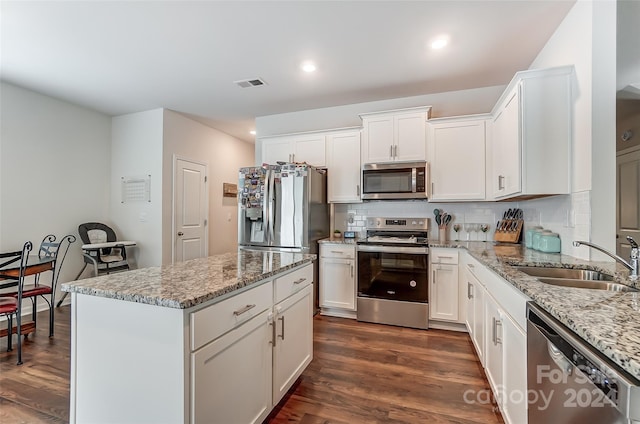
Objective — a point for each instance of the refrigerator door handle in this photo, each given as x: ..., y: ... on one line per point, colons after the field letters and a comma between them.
x: 271, y: 213
x: 265, y: 205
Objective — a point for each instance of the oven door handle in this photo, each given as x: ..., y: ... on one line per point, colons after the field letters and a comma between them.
x: 393, y: 249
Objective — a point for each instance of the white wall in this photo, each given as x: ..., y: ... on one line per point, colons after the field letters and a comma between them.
x: 54, y: 169
x: 223, y: 155
x: 136, y: 150
x: 586, y: 39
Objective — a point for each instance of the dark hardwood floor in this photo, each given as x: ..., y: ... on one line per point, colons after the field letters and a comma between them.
x: 361, y: 373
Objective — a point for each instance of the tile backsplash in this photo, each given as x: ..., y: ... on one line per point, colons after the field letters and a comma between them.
x: 567, y: 215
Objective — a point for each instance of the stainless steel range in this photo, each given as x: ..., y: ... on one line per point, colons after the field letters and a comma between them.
x: 393, y: 272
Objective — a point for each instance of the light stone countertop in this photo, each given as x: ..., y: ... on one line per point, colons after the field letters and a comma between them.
x: 190, y: 283
x: 609, y: 321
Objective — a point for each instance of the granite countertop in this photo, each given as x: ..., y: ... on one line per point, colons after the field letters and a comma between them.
x: 609, y: 321
x: 190, y: 283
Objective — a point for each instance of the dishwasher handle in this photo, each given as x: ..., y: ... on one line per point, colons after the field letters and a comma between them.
x: 554, y: 352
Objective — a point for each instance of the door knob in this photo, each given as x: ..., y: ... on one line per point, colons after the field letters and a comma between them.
x: 180, y: 233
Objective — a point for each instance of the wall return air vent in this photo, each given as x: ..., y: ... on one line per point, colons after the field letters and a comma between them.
x: 252, y: 82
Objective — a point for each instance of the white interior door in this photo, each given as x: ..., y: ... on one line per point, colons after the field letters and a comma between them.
x: 191, y: 208
x: 627, y: 199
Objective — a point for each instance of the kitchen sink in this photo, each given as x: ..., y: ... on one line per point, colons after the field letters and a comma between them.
x: 587, y: 284
x: 565, y: 273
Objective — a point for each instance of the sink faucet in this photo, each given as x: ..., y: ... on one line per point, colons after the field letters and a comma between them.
x: 633, y: 260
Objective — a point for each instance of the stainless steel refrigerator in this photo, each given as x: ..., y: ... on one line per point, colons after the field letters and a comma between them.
x: 283, y: 207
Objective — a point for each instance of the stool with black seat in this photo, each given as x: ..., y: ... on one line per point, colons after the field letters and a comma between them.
x: 11, y: 306
x: 49, y: 249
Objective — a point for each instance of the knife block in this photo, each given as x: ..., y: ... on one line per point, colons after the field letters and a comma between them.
x: 506, y: 235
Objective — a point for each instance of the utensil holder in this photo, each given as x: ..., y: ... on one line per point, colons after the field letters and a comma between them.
x: 442, y: 234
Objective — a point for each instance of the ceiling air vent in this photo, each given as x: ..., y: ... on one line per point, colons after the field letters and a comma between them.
x: 253, y: 82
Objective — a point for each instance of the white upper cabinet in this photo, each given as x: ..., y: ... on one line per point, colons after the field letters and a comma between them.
x: 307, y: 147
x: 343, y: 161
x: 398, y: 135
x: 531, y: 143
x: 456, y: 149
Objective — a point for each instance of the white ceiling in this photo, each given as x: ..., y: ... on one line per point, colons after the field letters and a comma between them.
x: 130, y: 56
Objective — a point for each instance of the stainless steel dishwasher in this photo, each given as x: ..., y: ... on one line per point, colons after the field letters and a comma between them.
x: 570, y: 382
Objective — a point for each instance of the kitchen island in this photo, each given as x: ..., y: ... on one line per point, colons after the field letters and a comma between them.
x: 199, y: 341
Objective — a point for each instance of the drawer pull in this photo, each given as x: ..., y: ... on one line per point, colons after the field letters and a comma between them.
x: 337, y: 251
x: 243, y: 310
x: 301, y: 280
x: 447, y: 257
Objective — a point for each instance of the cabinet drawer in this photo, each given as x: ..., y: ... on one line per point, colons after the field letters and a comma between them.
x: 293, y: 282
x: 337, y: 251
x: 443, y: 256
x: 210, y: 323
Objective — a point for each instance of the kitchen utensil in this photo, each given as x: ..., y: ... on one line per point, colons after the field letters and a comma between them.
x: 437, y: 212
x: 446, y: 220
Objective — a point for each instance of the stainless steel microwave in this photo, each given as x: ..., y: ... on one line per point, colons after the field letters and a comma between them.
x: 402, y: 180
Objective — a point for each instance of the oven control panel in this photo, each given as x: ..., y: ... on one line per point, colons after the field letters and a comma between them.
x: 398, y: 224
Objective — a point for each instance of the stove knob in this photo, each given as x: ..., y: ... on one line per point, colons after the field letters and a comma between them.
x: 413, y: 283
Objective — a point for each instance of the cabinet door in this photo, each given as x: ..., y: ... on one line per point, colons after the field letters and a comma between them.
x: 479, y: 328
x: 493, y: 343
x: 293, y: 349
x: 378, y: 139
x: 456, y: 146
x: 343, y: 162
x: 310, y: 149
x: 507, y: 147
x: 337, y: 283
x: 443, y: 299
x: 231, y: 376
x: 410, y: 140
x: 276, y: 150
x: 514, y: 369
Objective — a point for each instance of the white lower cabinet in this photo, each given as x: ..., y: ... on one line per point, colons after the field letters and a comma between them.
x: 337, y: 276
x: 493, y: 344
x: 496, y: 321
x: 241, y: 360
x: 293, y: 341
x: 444, y: 287
x: 475, y: 312
x: 239, y: 375
x: 514, y: 372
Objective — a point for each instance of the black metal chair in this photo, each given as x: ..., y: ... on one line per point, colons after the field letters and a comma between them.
x: 57, y: 252
x: 104, y: 260
x: 12, y: 306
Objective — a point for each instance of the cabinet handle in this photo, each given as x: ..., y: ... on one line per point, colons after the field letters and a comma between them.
x: 395, y: 151
x: 469, y: 289
x: 351, y: 271
x: 358, y: 189
x: 500, y: 182
x: 493, y: 330
x: 273, y: 332
x: 282, y: 319
x: 498, y: 339
x: 243, y: 310
x: 433, y: 188
x: 446, y: 257
x: 391, y: 151
x: 337, y: 251
x: 301, y: 280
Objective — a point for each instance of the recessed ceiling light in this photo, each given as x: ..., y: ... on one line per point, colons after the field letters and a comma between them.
x: 439, y: 42
x: 308, y: 66
x: 252, y: 132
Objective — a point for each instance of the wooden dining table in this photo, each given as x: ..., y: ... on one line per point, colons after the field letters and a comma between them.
x: 35, y: 265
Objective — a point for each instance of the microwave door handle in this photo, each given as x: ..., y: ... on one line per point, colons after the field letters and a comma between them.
x: 414, y: 180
